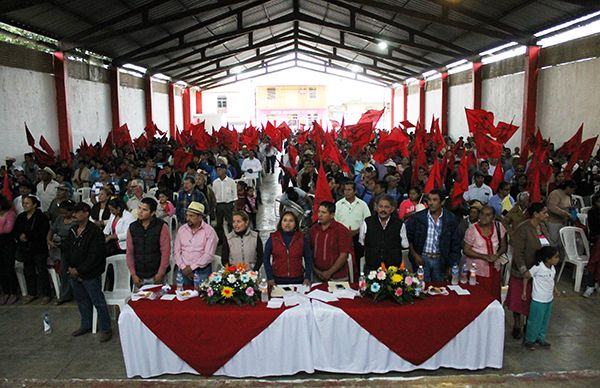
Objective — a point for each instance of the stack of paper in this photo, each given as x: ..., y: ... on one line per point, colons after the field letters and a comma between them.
x: 337, y: 286
x: 345, y: 294
x: 459, y: 290
x: 280, y: 291
x: 275, y: 303
x: 323, y: 296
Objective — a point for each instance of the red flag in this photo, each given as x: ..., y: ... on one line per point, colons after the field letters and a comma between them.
x: 480, y: 121
x: 390, y: 145
x: 317, y: 134
x: 47, y: 147
x: 293, y: 155
x: 532, y: 144
x: 141, y: 143
x: 534, y: 187
x: 498, y: 177
x: 322, y: 192
x: 6, y: 187
x: 461, y: 183
x: 285, y: 130
x: 161, y: 133
x: 573, y: 143
x: 587, y: 148
x: 181, y: 159
x: 505, y: 131
x: 249, y: 137
x: 435, y: 180
x: 407, y: 124
x: 200, y: 138
x: 371, y: 116
x: 332, y: 153
x: 436, y: 135
x: 274, y: 135
x: 487, y: 147
x: 150, y: 131
x: 30, y: 138
x: 359, y: 135
x: 228, y: 138
x: 42, y: 157
x: 302, y: 137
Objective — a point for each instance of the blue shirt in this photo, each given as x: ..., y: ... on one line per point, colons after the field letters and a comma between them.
x: 496, y: 203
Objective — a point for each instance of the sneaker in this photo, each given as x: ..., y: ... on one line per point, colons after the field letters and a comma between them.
x: 3, y: 299
x: 80, y: 331
x: 12, y: 299
x: 544, y: 344
x: 105, y: 336
x: 530, y: 345
x: 28, y: 299
x: 46, y: 299
x: 588, y: 292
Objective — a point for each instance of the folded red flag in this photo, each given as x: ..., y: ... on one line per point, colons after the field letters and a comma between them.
x: 47, y: 147
x: 587, y: 148
x: 435, y: 179
x: 181, y: 159
x: 371, y: 116
x: 30, y: 138
x: 274, y: 134
x: 573, y: 143
x: 390, y: 145
x: 461, y: 183
x: 6, y: 188
x: 322, y: 192
x: 487, y: 147
x: 359, y: 135
x: 498, y: 177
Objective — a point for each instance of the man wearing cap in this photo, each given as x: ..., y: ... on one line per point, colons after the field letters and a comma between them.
x: 478, y: 191
x: 148, y: 246
x: 195, y: 245
x: 30, y: 168
x: 226, y: 194
x: 46, y: 189
x: 62, y: 194
x: 84, y: 254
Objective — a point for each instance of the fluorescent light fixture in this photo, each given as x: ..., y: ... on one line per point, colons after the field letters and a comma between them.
x: 161, y: 76
x: 355, y: 68
x: 341, y: 73
x: 575, y: 33
x: 181, y: 83
x: 499, y: 48
x: 460, y: 68
x: 135, y: 68
x: 237, y: 70
x: 382, y: 45
x: 411, y: 80
x: 520, y: 50
x: 457, y: 63
x: 429, y: 73
x: 566, y: 24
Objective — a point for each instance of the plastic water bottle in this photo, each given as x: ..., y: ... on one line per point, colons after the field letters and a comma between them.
x: 263, y: 287
x: 47, y: 324
x: 196, y: 281
x: 362, y: 282
x: 464, y: 274
x: 473, y: 275
x: 455, y: 274
x: 421, y: 276
x: 179, y: 280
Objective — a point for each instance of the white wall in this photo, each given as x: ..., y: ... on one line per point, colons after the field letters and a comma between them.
x: 413, y: 107
x: 433, y: 106
x: 160, y: 110
x: 26, y: 96
x: 89, y: 109
x: 132, y: 110
x: 504, y: 97
x: 178, y: 100
x: 567, y: 96
x: 399, y: 106
x: 459, y: 97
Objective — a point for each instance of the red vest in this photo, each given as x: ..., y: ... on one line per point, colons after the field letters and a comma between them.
x: 287, y: 262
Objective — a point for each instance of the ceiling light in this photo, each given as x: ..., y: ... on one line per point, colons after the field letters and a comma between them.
x: 457, y: 63
x: 237, y: 70
x: 135, y: 68
x: 499, y: 48
x: 429, y: 73
x: 567, y: 24
x: 355, y: 68
x: 382, y: 45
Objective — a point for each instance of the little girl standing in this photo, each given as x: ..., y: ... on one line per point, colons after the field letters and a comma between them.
x: 541, y: 297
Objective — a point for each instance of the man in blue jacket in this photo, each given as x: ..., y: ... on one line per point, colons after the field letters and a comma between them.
x: 434, y: 239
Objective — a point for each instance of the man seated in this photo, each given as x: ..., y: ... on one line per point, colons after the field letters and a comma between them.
x: 331, y: 243
x: 137, y: 189
x: 478, y: 191
x: 383, y: 236
x: 195, y: 245
x: 148, y: 246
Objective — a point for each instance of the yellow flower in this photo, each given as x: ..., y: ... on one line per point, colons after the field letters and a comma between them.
x: 227, y: 292
x: 396, y: 278
x: 392, y: 269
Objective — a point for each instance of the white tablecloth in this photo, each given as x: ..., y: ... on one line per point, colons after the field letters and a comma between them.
x: 316, y: 337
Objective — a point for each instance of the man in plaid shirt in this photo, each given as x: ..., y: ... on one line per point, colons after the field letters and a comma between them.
x: 187, y: 195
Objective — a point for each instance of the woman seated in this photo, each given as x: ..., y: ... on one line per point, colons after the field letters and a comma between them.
x: 485, y: 242
x: 100, y: 213
x: 284, y: 252
x: 117, y: 226
x: 242, y: 245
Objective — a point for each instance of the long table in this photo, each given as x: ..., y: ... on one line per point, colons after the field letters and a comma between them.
x: 349, y: 336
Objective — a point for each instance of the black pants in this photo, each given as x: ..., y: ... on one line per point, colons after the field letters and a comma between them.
x: 66, y: 293
x: 224, y: 212
x: 8, y: 278
x: 36, y: 274
x: 270, y: 167
x: 358, y: 253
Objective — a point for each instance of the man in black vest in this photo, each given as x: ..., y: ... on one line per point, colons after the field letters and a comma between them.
x: 148, y: 246
x: 383, y: 236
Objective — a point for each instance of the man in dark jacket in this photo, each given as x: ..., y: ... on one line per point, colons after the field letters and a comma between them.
x: 85, y: 257
x: 434, y: 239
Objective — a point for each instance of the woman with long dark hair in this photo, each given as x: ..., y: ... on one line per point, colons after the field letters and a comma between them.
x: 115, y: 231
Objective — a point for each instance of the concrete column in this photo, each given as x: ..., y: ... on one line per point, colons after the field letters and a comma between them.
x: 422, y: 102
x: 477, y: 85
x: 148, y: 99
x: 172, y: 127
x: 65, y: 138
x: 199, y: 101
x: 393, y: 106
x: 187, y: 113
x: 114, y: 96
x: 444, y: 111
x: 530, y: 94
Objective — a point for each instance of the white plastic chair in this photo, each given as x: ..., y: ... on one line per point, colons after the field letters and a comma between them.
x: 578, y: 201
x: 216, y: 263
x: 585, y: 210
x: 152, y: 192
x: 19, y: 268
x: 350, y: 268
x: 568, y: 237
x: 84, y: 193
x: 406, y: 260
x: 55, y: 281
x: 121, y: 292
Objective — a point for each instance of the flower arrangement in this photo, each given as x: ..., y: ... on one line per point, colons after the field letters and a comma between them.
x: 232, y: 283
x: 391, y: 282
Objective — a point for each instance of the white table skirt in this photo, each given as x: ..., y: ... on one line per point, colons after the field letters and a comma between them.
x: 316, y: 337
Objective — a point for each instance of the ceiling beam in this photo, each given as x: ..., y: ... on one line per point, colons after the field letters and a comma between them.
x: 8, y: 6
x: 255, y: 67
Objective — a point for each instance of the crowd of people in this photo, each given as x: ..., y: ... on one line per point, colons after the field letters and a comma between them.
x: 375, y: 210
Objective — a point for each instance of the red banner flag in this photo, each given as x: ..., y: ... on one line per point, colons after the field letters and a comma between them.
x: 332, y: 153
x: 322, y: 192
x: 274, y: 135
x: 573, y: 143
x: 487, y: 147
x: 389, y: 145
x: 587, y: 148
x: 30, y: 138
x: 181, y: 158
x: 480, y: 121
x: 47, y: 147
x: 498, y: 177
x: 505, y: 131
x: 359, y: 135
x: 249, y: 137
x: 435, y: 179
x: 371, y: 116
x: 461, y: 183
x: 6, y: 188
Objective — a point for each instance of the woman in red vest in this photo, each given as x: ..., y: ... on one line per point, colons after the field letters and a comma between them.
x: 284, y: 252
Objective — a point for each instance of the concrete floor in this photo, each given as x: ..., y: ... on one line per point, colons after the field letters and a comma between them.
x: 31, y: 358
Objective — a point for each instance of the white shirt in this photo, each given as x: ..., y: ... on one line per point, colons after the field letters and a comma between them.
x: 251, y: 164
x: 18, y: 204
x: 121, y: 228
x: 543, y: 282
x: 363, y: 232
x: 46, y: 195
x: 481, y: 194
x: 225, y: 190
x: 352, y: 214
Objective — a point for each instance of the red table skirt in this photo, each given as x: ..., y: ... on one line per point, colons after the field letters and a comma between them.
x: 418, y: 331
x: 205, y: 336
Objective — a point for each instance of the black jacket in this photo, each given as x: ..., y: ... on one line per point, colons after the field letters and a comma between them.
x: 36, y: 229
x: 86, y: 251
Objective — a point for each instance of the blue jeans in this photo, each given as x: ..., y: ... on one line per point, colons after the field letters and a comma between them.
x: 89, y: 293
x: 202, y: 272
x: 434, y: 269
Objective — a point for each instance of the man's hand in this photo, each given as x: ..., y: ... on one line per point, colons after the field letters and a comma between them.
x: 493, y: 258
x: 556, y: 292
x: 23, y: 237
x: 307, y: 282
x: 73, y: 272
x: 51, y: 244
x: 250, y: 170
x: 158, y: 279
x: 136, y: 280
x: 320, y: 274
x: 418, y: 259
x: 524, y: 296
x: 188, y: 272
x: 110, y: 237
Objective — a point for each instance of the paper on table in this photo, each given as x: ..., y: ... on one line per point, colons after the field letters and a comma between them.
x: 345, y: 294
x: 323, y: 296
x: 282, y: 290
x: 459, y: 290
x: 338, y: 286
x: 168, y: 297
x: 275, y: 303
x: 150, y: 286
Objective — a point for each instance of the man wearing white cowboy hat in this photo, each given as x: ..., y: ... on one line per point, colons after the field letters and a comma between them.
x: 195, y: 245
x: 46, y: 189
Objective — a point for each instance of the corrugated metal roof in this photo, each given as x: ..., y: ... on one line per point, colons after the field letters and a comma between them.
x: 193, y: 37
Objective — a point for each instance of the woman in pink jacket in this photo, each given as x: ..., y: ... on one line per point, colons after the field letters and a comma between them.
x: 8, y: 278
